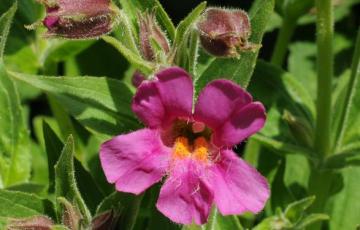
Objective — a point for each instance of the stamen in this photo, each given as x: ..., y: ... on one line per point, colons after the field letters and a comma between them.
x: 201, y: 149
x: 181, y: 147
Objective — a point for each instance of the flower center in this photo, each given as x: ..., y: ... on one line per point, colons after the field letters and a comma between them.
x: 198, y: 150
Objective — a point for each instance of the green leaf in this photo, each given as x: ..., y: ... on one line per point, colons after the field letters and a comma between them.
x: 65, y: 182
x: 5, y: 24
x: 85, y: 181
x: 311, y: 219
x: 27, y: 187
x: 295, y: 210
x: 53, y: 147
x: 61, y: 50
x: 279, y: 91
x: 100, y: 104
x: 186, y: 24
x: 281, y: 147
x: 18, y: 204
x: 343, y: 207
x: 184, y: 34
x: 347, y: 129
x: 240, y: 70
x: 135, y: 59
x: 15, y: 161
x: 297, y: 173
x: 338, y: 161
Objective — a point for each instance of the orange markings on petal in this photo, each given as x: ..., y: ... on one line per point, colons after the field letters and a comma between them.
x: 181, y: 148
x: 201, y: 149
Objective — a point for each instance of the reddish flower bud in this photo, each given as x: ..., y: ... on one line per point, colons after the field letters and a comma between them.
x: 35, y: 222
x: 78, y: 19
x: 105, y: 221
x: 151, y: 31
x: 225, y: 32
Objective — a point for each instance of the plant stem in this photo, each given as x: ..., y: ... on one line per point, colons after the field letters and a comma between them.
x: 282, y: 41
x: 324, y: 76
x: 320, y: 180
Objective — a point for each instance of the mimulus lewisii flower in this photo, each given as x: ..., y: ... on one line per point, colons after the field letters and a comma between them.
x: 78, y: 19
x: 192, y: 150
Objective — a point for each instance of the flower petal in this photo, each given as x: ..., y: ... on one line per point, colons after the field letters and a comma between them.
x: 242, y: 123
x: 237, y: 186
x: 185, y: 198
x: 135, y: 161
x: 167, y: 97
x: 218, y: 100
x: 148, y: 106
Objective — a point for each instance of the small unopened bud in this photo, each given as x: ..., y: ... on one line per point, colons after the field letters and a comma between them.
x: 78, y: 19
x: 35, y: 223
x: 225, y: 32
x: 105, y: 221
x: 299, y: 128
x: 153, y: 40
x: 71, y: 216
x: 137, y: 78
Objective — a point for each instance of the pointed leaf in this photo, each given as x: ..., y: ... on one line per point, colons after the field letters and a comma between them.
x: 15, y: 161
x: 65, y: 182
x: 53, y: 147
x: 5, y: 24
x: 310, y: 219
x: 295, y: 210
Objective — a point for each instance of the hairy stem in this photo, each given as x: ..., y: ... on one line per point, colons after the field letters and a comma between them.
x: 320, y: 180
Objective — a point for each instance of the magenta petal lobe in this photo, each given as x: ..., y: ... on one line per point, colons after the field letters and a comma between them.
x: 237, y: 186
x: 185, y: 197
x: 176, y: 89
x: 160, y: 101
x: 243, y: 122
x: 134, y: 161
x: 217, y: 101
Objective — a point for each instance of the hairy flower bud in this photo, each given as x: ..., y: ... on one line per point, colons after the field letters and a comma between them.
x: 105, y: 221
x: 152, y: 39
x: 225, y: 32
x: 35, y: 222
x: 79, y: 19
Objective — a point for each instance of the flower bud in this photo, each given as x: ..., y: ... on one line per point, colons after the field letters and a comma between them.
x: 225, y: 32
x: 299, y: 128
x: 105, y: 221
x: 35, y: 222
x: 79, y: 19
x: 152, y: 39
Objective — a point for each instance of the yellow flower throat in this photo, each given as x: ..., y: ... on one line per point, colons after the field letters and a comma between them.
x: 198, y: 150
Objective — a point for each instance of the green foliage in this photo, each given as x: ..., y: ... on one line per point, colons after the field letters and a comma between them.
x: 294, y: 217
x: 18, y: 204
x: 100, y: 104
x: 40, y: 176
x: 66, y: 186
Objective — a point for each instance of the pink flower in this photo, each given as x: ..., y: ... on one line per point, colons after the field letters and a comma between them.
x: 193, y: 150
